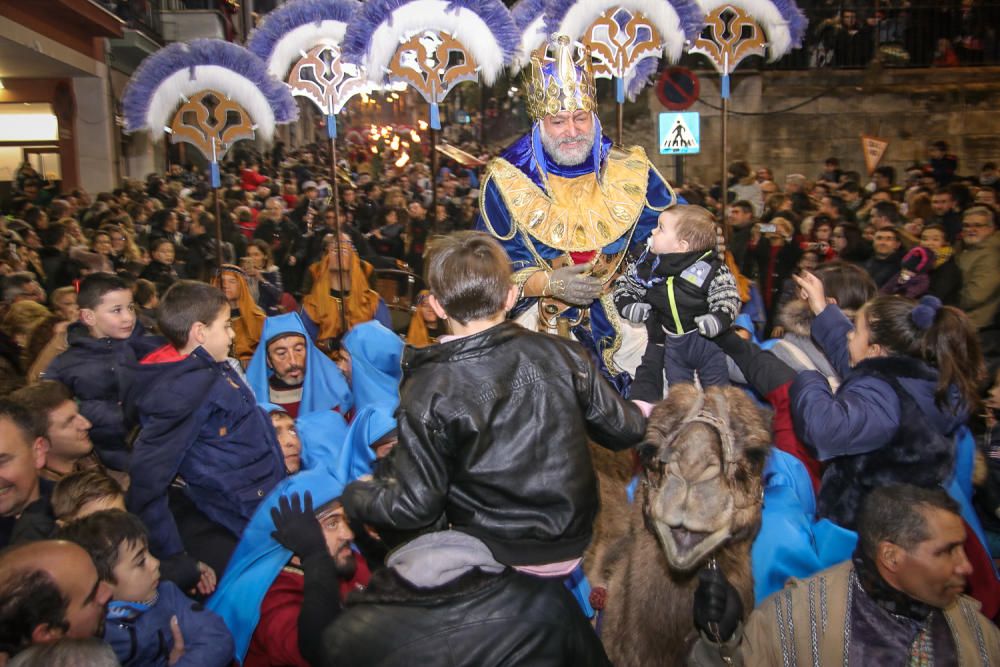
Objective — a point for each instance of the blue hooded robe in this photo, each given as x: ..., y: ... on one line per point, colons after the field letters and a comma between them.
x: 375, y: 364
x: 258, y: 558
x: 324, y: 387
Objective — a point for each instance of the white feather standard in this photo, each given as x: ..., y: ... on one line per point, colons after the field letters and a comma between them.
x: 660, y: 13
x: 181, y: 85
x: 779, y: 39
x: 289, y: 48
x: 532, y: 37
x: 463, y: 24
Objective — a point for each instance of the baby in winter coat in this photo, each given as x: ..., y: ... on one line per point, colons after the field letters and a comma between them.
x: 914, y: 277
x: 689, y: 292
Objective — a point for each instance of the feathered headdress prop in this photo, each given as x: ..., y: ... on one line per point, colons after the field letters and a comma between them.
x: 627, y: 37
x: 431, y: 45
x: 782, y: 21
x: 300, y: 42
x: 529, y: 17
x: 174, y: 74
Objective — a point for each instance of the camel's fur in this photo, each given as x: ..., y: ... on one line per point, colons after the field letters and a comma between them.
x: 648, y: 615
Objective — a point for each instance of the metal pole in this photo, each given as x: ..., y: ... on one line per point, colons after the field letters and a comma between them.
x: 331, y: 128
x: 723, y: 215
x: 679, y: 170
x: 621, y: 122
x: 434, y: 188
x: 217, y: 185
x: 724, y: 149
x: 218, y: 228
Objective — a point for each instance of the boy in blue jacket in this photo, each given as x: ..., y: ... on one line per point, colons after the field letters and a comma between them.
x: 149, y: 623
x: 207, y: 454
x: 102, y: 347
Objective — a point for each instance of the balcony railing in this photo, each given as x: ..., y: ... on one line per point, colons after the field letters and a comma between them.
x: 896, y: 33
x: 143, y: 15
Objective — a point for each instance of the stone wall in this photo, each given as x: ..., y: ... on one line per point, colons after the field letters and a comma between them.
x: 908, y: 108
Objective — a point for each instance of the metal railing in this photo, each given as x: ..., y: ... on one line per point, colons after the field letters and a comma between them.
x: 143, y: 15
x: 896, y: 33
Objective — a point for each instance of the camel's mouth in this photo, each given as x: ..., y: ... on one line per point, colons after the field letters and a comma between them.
x: 686, y: 549
x: 687, y: 540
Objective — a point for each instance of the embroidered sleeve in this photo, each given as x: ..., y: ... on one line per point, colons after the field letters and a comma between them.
x: 724, y: 297
x: 627, y: 289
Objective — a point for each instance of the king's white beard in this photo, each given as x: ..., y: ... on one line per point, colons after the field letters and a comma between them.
x: 567, y: 157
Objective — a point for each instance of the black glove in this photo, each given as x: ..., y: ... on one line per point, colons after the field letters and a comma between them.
x: 569, y: 284
x: 717, y: 606
x: 296, y: 527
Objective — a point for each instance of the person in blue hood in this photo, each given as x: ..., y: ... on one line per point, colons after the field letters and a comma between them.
x: 287, y: 369
x: 261, y: 559
x: 375, y: 371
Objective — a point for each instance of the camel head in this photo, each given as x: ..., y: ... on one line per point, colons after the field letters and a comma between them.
x: 702, y: 461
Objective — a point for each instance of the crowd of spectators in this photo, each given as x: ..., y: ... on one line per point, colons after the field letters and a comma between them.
x: 164, y: 417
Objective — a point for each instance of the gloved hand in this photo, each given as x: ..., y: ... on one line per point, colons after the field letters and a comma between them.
x: 569, y: 284
x: 636, y: 312
x: 717, y: 606
x: 296, y: 527
x: 709, y: 325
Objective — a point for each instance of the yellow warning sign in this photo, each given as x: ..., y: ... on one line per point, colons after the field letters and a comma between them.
x: 873, y: 149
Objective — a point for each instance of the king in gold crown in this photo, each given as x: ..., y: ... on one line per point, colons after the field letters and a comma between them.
x: 560, y: 84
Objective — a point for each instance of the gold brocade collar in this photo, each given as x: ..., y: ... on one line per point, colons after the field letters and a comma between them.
x: 577, y: 214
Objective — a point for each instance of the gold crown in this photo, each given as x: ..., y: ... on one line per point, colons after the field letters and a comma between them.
x: 557, y: 83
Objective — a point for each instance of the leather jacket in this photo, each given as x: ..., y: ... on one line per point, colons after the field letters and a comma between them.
x: 478, y: 620
x: 493, y: 432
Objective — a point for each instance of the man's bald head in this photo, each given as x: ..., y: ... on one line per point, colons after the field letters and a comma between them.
x: 48, y: 590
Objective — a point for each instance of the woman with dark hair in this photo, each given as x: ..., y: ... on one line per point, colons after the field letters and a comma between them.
x: 915, y: 370
x: 850, y: 244
x: 946, y: 277
x: 161, y: 269
x: 263, y: 277
x: 820, y: 239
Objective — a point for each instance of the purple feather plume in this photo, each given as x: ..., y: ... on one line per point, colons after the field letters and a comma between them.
x: 644, y: 69
x: 179, y: 56
x: 797, y: 21
x: 692, y: 18
x: 376, y: 12
x: 279, y: 22
x: 526, y: 11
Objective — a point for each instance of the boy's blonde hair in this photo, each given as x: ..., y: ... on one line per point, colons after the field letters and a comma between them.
x: 469, y: 274
x: 79, y: 488
x: 695, y: 225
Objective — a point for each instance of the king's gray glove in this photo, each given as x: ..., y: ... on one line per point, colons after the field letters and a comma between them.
x: 569, y: 284
x: 636, y: 312
x: 709, y: 325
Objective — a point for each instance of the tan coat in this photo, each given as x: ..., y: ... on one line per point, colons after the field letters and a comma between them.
x: 804, y: 624
x: 980, y: 266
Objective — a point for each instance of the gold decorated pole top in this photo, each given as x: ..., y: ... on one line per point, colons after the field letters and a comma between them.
x: 212, y: 123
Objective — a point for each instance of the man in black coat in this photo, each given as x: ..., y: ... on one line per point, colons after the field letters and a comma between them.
x: 444, y: 599
x: 886, y: 260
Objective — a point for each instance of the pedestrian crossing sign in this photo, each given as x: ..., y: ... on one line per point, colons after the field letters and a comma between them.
x: 680, y: 133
